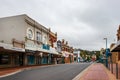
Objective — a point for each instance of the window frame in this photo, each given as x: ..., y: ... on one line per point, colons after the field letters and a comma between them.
x: 38, y: 37
x: 30, y: 35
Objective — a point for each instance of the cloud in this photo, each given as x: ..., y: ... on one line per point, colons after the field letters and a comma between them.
x: 83, y: 23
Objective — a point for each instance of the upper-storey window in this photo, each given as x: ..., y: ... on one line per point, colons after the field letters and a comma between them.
x: 30, y: 33
x: 44, y: 39
x: 38, y: 37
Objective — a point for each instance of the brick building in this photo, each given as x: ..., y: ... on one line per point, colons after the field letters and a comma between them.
x: 67, y: 52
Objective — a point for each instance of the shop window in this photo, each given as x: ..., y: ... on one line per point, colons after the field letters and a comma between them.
x: 4, y: 59
x: 38, y: 36
x: 31, y: 59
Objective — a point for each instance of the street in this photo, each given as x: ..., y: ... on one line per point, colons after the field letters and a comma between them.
x: 57, y: 72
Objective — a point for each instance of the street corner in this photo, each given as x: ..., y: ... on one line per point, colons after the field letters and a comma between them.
x: 9, y: 73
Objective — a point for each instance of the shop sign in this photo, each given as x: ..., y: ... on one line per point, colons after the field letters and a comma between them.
x: 33, y: 47
x: 17, y: 49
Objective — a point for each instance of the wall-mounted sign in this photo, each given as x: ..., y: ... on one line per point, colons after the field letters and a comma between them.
x: 33, y: 46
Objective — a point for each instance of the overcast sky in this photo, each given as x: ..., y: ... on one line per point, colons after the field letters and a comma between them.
x: 83, y: 23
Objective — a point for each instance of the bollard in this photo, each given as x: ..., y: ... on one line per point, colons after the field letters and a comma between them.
x: 112, y: 67
x: 116, y: 70
x: 109, y: 65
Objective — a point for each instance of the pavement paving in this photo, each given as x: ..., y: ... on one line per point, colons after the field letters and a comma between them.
x: 97, y: 71
x: 113, y: 70
x: 55, y: 72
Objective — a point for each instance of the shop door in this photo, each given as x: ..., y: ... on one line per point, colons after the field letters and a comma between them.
x: 31, y: 60
x: 45, y: 60
x: 21, y: 59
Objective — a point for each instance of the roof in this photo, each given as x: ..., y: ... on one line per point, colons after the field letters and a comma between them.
x: 116, y: 47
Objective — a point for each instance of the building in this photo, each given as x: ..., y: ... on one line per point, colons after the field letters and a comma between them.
x: 23, y: 41
x: 77, y: 56
x: 67, y: 52
x: 115, y: 48
x: 56, y: 55
x: 114, y: 56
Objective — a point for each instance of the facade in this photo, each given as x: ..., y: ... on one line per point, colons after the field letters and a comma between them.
x: 23, y: 41
x: 77, y: 56
x: 56, y: 55
x: 102, y: 53
x: 114, y: 55
x: 115, y: 48
x: 67, y: 52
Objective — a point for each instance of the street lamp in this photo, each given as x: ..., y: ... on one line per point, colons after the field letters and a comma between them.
x: 106, y: 42
x: 106, y: 52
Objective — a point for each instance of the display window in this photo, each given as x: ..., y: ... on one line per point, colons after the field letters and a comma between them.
x: 4, y: 59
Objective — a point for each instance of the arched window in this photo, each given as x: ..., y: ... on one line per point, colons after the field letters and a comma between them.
x: 30, y: 33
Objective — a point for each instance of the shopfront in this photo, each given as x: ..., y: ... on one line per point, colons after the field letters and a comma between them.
x: 5, y: 59
x: 66, y: 55
x: 38, y: 60
x: 11, y: 58
x: 45, y: 58
x: 31, y: 59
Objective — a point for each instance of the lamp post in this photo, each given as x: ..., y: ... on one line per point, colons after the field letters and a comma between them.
x: 106, y: 53
x: 106, y: 42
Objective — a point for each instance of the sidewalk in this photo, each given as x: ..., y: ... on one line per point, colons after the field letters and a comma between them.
x: 113, y: 69
x: 97, y: 71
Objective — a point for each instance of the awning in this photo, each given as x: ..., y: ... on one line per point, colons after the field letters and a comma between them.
x: 53, y: 51
x: 39, y: 48
x: 65, y: 53
x: 116, y: 47
x: 10, y: 47
x: 44, y: 50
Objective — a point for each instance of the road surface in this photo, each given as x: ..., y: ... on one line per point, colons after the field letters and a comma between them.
x: 55, y: 72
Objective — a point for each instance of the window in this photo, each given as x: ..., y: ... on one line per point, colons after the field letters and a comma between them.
x: 44, y: 39
x: 4, y: 59
x: 38, y: 36
x: 30, y: 33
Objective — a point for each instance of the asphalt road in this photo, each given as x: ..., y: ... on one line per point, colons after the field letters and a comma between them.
x: 57, y: 72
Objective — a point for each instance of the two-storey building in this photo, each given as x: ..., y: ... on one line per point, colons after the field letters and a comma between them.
x: 67, y: 52
x: 23, y: 41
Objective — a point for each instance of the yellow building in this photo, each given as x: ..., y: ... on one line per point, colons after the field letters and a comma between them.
x: 115, y: 48
x: 114, y: 55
